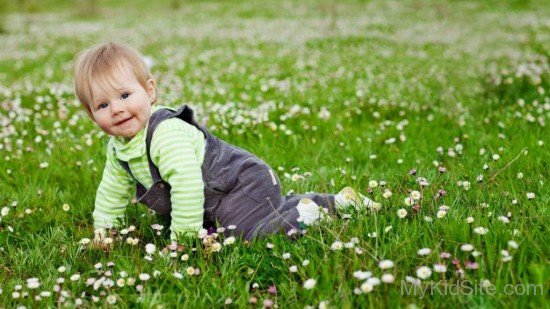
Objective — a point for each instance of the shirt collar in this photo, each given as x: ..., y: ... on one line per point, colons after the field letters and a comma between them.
x: 125, y: 149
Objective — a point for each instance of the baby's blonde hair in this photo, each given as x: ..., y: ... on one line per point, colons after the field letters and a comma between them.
x: 100, y: 62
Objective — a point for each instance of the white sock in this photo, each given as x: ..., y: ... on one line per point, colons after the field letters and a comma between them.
x: 310, y: 212
x: 348, y: 197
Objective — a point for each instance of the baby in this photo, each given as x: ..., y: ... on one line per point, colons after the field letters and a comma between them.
x: 179, y: 169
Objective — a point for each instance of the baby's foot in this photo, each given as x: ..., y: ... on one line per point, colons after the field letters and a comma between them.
x: 349, y: 197
x: 310, y: 212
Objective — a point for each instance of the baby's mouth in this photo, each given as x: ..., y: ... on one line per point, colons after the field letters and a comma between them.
x: 123, y: 121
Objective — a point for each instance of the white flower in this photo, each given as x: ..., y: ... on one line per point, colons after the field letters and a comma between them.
x: 286, y: 256
x: 33, y: 283
x: 520, y: 175
x: 440, y: 268
x: 408, y: 201
x: 423, y: 272
x: 305, y: 262
x: 84, y: 241
x: 373, y: 281
x: 366, y: 287
x: 202, y: 233
x: 111, y: 299
x: 388, y: 278
x: 428, y: 219
x: 150, y: 248
x: 373, y: 183
x: 4, y: 212
x: 481, y: 230
x: 231, y: 227
x: 144, y: 276
x: 61, y: 269
x: 66, y: 207
x: 229, y: 241
x: 132, y: 241
x: 513, y: 244
x: 184, y: 257
x: 496, y: 156
x: 387, y: 193
x: 215, y: 247
x: 178, y: 275
x: 270, y: 245
x: 467, y: 247
x: 309, y: 284
x: 470, y: 220
x: 385, y: 264
x: 388, y: 228
x: 402, y: 213
x: 441, y: 213
x: 415, y: 195
x: 75, y: 277
x: 424, y: 251
x: 362, y: 275
x: 530, y: 195
x: 337, y: 245
x: 504, y: 219
x: 293, y: 268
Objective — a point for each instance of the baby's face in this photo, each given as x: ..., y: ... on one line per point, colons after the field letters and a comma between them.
x: 123, y: 107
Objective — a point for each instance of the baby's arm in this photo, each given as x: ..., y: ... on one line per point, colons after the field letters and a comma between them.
x: 174, y: 152
x: 113, y: 193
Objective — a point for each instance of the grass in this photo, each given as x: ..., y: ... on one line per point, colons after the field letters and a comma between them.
x: 408, y: 85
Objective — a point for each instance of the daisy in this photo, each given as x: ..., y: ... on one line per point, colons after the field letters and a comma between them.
x: 309, y: 284
x: 402, y: 213
x: 388, y: 278
x: 440, y: 268
x: 467, y: 247
x: 423, y: 272
x: 385, y: 264
x: 424, y: 251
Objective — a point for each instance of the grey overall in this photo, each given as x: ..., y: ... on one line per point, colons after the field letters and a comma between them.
x: 240, y: 189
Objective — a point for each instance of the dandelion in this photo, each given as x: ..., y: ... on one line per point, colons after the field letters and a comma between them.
x: 309, y: 284
x: 385, y: 264
x: 423, y: 272
x: 402, y: 213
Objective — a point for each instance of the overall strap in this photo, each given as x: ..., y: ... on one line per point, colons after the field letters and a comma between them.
x: 185, y: 113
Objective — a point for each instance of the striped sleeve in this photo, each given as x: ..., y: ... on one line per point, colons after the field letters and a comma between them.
x: 113, y: 193
x: 175, y: 151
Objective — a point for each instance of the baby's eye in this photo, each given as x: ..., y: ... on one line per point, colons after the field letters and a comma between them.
x: 125, y: 95
x: 102, y: 105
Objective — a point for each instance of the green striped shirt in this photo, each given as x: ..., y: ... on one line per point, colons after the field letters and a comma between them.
x: 177, y: 149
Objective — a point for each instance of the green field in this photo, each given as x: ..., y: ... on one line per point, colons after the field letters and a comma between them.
x: 447, y: 98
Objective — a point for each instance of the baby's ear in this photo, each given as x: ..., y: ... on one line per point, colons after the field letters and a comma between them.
x: 152, y: 90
